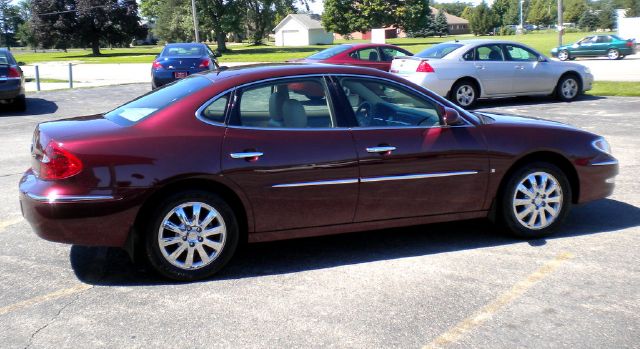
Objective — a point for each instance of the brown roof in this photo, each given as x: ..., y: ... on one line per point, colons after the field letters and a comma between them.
x: 451, y: 19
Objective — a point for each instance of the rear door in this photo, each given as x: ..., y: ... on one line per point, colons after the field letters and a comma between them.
x: 493, y: 71
x: 410, y: 165
x: 288, y: 152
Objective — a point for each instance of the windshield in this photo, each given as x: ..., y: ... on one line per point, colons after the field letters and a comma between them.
x: 147, y: 104
x: 330, y: 52
x: 182, y: 51
x: 438, y: 51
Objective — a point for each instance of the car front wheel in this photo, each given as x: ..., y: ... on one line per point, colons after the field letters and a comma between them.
x: 193, y: 235
x: 563, y: 55
x: 535, y: 201
x: 568, y: 88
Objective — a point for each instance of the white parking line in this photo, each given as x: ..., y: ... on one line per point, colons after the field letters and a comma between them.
x: 477, y: 319
x: 8, y: 222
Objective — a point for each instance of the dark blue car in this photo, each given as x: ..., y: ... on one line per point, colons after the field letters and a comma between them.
x: 179, y: 60
x: 11, y: 82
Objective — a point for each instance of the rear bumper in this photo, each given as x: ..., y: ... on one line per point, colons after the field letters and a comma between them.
x: 95, y: 218
x: 11, y: 88
x: 430, y: 81
x: 597, y: 178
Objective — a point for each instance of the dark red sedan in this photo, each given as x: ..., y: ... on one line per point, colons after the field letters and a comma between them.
x: 378, y: 56
x: 187, y: 172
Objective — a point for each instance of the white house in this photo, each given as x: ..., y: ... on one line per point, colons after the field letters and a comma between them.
x: 301, y: 30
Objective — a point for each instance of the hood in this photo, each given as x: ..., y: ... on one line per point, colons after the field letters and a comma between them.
x: 505, y: 119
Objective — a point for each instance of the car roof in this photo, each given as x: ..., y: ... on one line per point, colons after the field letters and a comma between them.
x: 365, y: 45
x: 178, y: 44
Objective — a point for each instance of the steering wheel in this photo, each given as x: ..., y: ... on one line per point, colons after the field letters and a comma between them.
x: 363, y: 114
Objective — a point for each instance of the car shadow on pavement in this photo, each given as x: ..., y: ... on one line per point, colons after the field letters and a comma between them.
x: 35, y: 106
x: 112, y: 267
x: 527, y: 100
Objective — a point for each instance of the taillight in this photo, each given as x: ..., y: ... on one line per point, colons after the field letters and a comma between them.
x: 629, y: 44
x: 13, y: 72
x: 156, y: 65
x: 424, y: 67
x: 204, y: 63
x: 58, y: 163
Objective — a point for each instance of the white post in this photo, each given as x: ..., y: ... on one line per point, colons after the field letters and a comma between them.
x: 37, y: 78
x: 70, y: 75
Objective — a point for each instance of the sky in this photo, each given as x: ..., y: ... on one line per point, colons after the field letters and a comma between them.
x: 316, y: 7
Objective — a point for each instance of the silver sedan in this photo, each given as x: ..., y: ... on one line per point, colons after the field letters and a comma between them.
x: 464, y: 71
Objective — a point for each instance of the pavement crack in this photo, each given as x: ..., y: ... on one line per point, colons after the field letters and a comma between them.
x: 55, y: 317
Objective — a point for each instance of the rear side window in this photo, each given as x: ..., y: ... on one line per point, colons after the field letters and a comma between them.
x: 438, y: 51
x: 153, y: 101
x: 330, y: 52
x: 216, y: 110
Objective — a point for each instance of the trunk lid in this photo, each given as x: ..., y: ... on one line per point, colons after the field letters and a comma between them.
x: 406, y: 65
x: 180, y: 62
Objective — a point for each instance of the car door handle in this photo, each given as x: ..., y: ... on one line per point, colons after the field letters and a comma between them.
x: 480, y: 67
x: 521, y: 67
x: 247, y: 155
x: 381, y: 149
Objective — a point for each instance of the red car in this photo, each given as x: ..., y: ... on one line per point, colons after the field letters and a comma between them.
x: 185, y: 173
x: 378, y: 56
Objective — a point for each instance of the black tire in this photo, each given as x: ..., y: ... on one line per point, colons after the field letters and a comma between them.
x: 510, y: 203
x: 566, y: 82
x: 20, y: 103
x: 464, y: 93
x: 191, y: 240
x: 613, y: 53
x: 621, y: 56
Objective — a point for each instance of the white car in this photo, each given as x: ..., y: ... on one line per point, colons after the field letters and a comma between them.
x: 464, y: 71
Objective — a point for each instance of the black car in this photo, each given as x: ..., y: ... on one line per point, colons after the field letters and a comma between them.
x: 179, y: 60
x: 11, y: 81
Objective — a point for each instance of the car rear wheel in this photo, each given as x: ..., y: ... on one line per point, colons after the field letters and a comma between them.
x: 563, y: 55
x: 613, y: 53
x: 536, y: 199
x: 193, y: 235
x: 464, y: 93
x: 568, y: 88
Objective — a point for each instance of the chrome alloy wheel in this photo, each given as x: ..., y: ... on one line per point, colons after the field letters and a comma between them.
x: 563, y: 55
x: 537, y: 200
x: 569, y: 88
x: 192, y: 235
x: 465, y: 95
x: 613, y: 54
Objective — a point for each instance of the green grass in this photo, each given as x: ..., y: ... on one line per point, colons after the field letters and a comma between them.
x: 48, y: 80
x: 542, y: 41
x: 615, y: 88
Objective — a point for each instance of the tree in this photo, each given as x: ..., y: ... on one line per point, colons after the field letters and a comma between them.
x: 222, y: 16
x: 61, y: 23
x: 482, y: 20
x: 339, y: 17
x: 174, y: 22
x: 573, y: 9
x: 632, y: 7
x: 588, y: 21
x: 512, y: 16
x: 453, y: 8
x: 467, y: 13
x: 542, y: 12
x: 413, y: 15
x: 500, y: 8
x: 607, y: 17
x: 440, y: 25
x: 10, y: 21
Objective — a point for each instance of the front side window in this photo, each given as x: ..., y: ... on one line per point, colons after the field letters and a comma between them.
x: 603, y: 39
x: 367, y: 54
x: 489, y: 53
x: 389, y: 54
x: 382, y: 104
x: 291, y: 103
x: 517, y: 53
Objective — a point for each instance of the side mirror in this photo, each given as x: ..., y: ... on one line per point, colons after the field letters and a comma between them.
x: 451, y: 117
x: 541, y: 59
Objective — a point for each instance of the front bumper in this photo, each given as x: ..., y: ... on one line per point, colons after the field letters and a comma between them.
x: 597, y: 178
x: 60, y: 214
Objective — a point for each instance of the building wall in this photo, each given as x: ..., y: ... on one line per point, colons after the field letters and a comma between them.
x: 320, y: 37
x: 459, y: 29
x: 628, y: 27
x: 292, y: 33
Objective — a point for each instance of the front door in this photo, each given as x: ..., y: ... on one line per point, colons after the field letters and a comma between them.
x: 285, y: 150
x: 410, y: 165
x: 530, y: 73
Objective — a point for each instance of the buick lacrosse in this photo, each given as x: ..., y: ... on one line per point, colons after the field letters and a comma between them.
x: 184, y: 174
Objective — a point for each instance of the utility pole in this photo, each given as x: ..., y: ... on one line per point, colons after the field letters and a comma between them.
x: 195, y: 19
x: 521, y: 16
x: 560, y: 23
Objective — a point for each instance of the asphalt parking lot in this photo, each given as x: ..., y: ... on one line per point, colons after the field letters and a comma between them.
x: 445, y: 285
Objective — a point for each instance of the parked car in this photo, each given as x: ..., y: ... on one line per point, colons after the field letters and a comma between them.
x: 11, y: 81
x: 179, y: 60
x: 464, y: 71
x: 378, y: 56
x: 185, y: 173
x: 611, y: 46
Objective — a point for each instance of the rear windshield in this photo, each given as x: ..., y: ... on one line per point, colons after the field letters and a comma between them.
x: 5, y: 59
x: 149, y: 103
x: 438, y: 51
x: 182, y: 50
x: 330, y: 52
